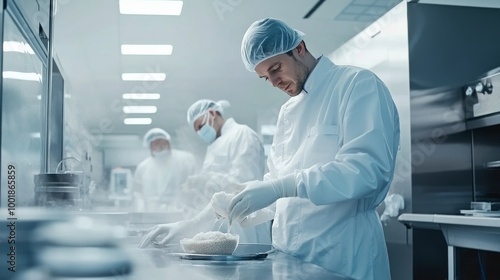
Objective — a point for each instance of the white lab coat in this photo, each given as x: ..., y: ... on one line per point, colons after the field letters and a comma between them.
x: 238, y: 153
x: 159, y: 180
x: 339, y: 138
x: 239, y: 156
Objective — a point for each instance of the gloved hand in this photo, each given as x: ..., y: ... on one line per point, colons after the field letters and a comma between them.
x: 220, y: 203
x: 260, y: 194
x: 174, y: 233
x: 203, y: 221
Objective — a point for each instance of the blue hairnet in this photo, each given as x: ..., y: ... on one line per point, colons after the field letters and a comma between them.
x: 154, y: 134
x: 266, y: 38
x: 200, y: 107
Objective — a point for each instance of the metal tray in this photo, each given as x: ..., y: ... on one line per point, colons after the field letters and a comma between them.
x: 244, y: 251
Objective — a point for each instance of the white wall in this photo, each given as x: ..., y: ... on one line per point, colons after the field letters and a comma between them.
x: 124, y: 157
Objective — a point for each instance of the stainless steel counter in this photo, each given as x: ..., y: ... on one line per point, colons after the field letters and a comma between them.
x: 152, y: 263
x: 482, y: 233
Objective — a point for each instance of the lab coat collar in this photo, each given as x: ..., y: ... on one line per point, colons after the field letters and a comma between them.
x: 227, y: 125
x: 316, y: 77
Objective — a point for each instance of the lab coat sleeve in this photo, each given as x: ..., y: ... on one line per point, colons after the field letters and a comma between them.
x: 364, y: 163
x: 248, y: 159
x: 269, y: 175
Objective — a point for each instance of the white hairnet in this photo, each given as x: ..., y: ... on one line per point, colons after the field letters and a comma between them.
x: 200, y: 107
x: 154, y: 134
x: 266, y: 38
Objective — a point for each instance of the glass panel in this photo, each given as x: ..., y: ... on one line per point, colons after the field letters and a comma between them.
x: 21, y: 113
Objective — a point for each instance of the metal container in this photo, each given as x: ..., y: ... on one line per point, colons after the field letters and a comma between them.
x: 58, y: 190
x: 61, y: 189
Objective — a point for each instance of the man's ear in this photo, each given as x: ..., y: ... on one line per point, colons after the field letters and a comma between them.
x: 301, y: 48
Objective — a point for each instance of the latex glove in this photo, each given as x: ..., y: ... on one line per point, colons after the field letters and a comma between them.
x: 178, y: 230
x: 260, y: 194
x: 174, y: 232
x: 220, y: 203
x: 393, y: 203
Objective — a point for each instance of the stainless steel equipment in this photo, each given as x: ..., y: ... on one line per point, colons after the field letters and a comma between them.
x: 62, y: 189
x: 485, y: 206
x: 459, y: 231
x: 482, y: 97
x: 58, y: 190
x: 426, y: 53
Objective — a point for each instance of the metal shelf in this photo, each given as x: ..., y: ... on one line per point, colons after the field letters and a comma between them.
x: 483, y: 121
x: 492, y: 164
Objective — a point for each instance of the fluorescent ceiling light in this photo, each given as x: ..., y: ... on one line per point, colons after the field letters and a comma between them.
x: 147, y: 49
x: 39, y: 97
x: 141, y: 96
x: 134, y: 121
x: 139, y: 109
x: 35, y: 135
x: 151, y: 7
x: 14, y: 46
x: 22, y: 76
x: 144, y: 76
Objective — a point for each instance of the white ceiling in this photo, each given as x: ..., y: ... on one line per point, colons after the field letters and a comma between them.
x: 205, y: 62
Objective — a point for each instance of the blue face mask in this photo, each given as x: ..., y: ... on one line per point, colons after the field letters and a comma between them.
x: 207, y: 132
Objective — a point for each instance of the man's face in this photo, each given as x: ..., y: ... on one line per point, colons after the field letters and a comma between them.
x: 202, y: 120
x: 285, y: 72
x: 159, y: 145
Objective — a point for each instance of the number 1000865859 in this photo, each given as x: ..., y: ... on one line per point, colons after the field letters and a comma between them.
x: 11, y: 189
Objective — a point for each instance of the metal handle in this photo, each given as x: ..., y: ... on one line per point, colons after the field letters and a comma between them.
x: 80, y: 163
x: 64, y: 159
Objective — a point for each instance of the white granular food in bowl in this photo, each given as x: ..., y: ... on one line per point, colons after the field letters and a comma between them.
x: 210, y: 243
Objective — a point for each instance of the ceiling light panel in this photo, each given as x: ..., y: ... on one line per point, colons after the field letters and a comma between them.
x: 139, y: 109
x: 146, y: 49
x: 151, y: 7
x: 137, y: 121
x: 366, y: 10
x: 144, y: 76
x: 141, y: 96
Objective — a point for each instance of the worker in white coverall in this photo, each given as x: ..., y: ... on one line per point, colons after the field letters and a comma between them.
x: 234, y: 155
x: 158, y: 178
x: 332, y: 158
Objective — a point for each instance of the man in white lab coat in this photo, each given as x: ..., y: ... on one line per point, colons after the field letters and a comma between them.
x: 332, y: 158
x: 158, y: 178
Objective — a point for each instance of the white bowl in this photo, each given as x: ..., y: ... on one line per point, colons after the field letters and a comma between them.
x: 210, y: 243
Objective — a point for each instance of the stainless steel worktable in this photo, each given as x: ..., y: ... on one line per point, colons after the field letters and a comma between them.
x: 482, y: 233
x: 152, y: 263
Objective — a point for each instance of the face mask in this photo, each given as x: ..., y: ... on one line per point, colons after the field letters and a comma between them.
x: 207, y: 132
x: 163, y: 154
